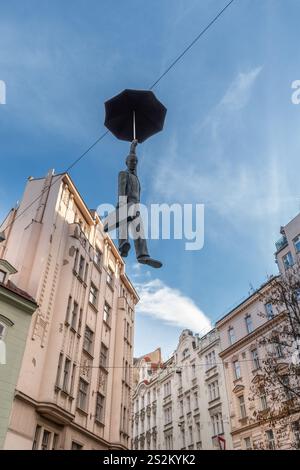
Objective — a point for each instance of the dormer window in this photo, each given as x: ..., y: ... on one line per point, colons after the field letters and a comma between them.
x: 6, y: 270
x: 2, y: 276
x: 185, y: 353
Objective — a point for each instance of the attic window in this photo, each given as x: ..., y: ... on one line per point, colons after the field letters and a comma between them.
x: 2, y: 276
x: 185, y: 353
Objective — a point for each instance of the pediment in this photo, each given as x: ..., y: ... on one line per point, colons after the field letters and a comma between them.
x: 257, y: 379
x: 238, y: 388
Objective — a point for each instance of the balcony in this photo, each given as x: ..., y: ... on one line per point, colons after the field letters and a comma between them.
x: 281, y: 243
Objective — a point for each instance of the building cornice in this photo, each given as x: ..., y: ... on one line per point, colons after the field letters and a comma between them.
x: 245, y: 303
x: 268, y: 325
x: 17, y: 300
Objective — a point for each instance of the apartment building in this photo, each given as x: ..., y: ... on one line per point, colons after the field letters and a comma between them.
x: 16, y: 309
x: 74, y: 386
x: 181, y: 403
x: 243, y: 350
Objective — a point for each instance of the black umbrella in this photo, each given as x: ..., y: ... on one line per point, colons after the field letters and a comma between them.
x: 134, y: 114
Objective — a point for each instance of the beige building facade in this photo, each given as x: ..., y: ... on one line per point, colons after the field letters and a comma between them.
x: 74, y: 387
x: 243, y: 351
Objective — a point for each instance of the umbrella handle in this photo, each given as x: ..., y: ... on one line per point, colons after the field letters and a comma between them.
x: 134, y: 130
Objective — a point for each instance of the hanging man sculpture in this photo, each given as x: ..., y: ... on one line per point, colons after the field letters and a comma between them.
x: 129, y: 188
x: 137, y: 115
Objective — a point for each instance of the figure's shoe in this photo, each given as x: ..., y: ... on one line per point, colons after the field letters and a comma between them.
x: 124, y: 249
x: 150, y: 261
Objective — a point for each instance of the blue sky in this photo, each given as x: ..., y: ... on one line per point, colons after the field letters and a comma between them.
x: 231, y: 138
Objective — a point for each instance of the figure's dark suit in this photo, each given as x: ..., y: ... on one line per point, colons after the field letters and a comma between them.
x: 130, y: 187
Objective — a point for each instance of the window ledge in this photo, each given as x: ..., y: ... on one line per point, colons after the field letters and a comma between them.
x: 93, y: 306
x: 82, y: 411
x: 88, y: 353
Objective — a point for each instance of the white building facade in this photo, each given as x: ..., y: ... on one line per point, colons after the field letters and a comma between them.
x: 182, y: 403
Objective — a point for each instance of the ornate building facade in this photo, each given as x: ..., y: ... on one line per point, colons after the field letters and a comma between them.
x: 182, y: 403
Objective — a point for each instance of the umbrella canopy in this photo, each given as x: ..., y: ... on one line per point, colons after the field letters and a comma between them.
x: 134, y: 114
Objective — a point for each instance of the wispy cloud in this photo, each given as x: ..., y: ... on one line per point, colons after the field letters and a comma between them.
x: 235, y: 98
x: 171, y: 306
x: 239, y: 91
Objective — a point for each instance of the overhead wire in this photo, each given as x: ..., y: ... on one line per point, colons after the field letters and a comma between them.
x: 77, y: 160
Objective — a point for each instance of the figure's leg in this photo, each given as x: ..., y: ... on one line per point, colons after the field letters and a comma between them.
x: 141, y: 249
x: 124, y: 245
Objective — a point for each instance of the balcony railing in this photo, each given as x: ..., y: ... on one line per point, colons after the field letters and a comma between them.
x: 282, y: 243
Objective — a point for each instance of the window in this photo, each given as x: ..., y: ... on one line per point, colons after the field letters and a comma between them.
x: 247, y: 443
x: 168, y: 415
x: 93, y: 295
x: 66, y: 374
x: 68, y: 310
x: 255, y: 359
x: 213, y: 389
x: 237, y: 369
x: 198, y: 431
x: 80, y: 320
x: 110, y: 277
x: 76, y: 260
x: 2, y: 276
x: 103, y: 356
x: 196, y: 404
x: 288, y: 260
x: 59, y: 369
x: 277, y: 347
x: 191, y: 435
x: 86, y: 272
x: 181, y: 407
x: 97, y: 257
x: 269, y: 310
x: 217, y: 424
x: 167, y: 389
x: 100, y: 402
x: 193, y: 370
x: 88, y: 340
x: 54, y: 441
x: 83, y: 394
x: 242, y: 405
x: 270, y: 439
x: 231, y: 335
x: 73, y: 380
x: 297, y: 243
x: 2, y: 330
x: 46, y: 440
x: 297, y: 295
x: 296, y: 432
x: 263, y: 401
x: 76, y: 446
x: 249, y: 324
x: 182, y: 436
x: 210, y: 360
x: 168, y: 441
x: 81, y: 267
x: 185, y: 353
x: 74, y: 316
x: 107, y: 313
x: 188, y: 402
x: 36, y: 437
x: 287, y: 387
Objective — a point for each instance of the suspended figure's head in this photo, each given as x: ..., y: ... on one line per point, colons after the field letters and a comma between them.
x: 131, y: 162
